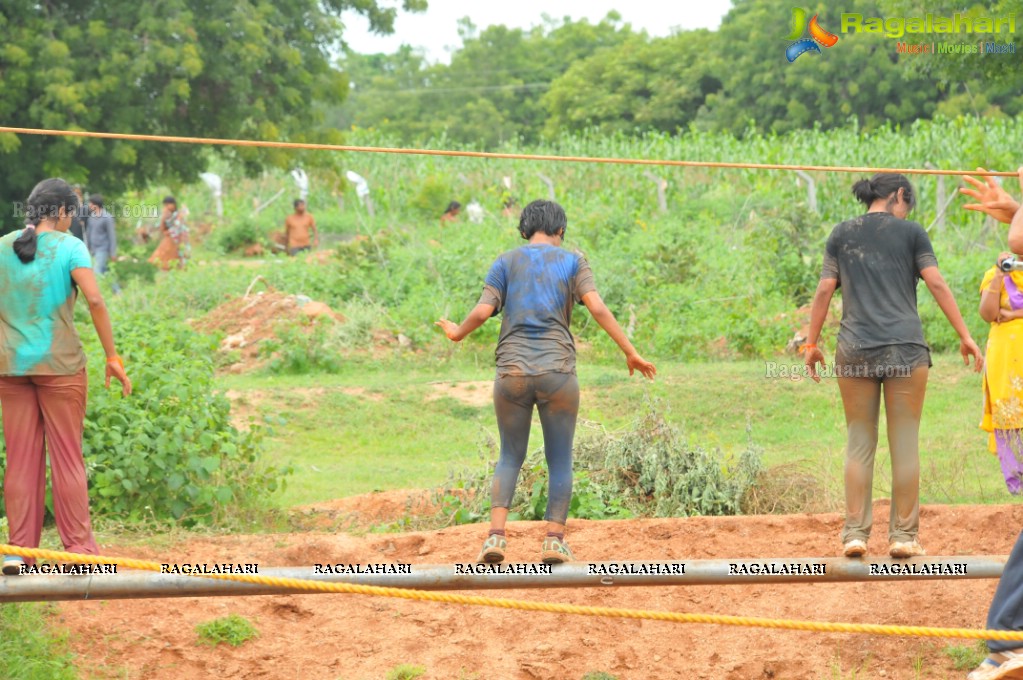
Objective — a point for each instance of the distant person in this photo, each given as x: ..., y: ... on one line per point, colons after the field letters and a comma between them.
x: 510, y: 206
x: 877, y: 259
x: 100, y: 235
x: 43, y: 381
x: 452, y: 211
x: 174, y: 247
x: 81, y: 216
x: 1006, y: 612
x: 300, y: 229
x: 536, y: 287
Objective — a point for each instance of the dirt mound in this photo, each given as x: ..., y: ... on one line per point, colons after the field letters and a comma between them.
x: 331, y: 636
x: 253, y: 318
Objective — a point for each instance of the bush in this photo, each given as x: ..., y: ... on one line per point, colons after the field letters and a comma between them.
x: 241, y: 233
x: 433, y: 196
x: 169, y: 450
x: 297, y: 350
x: 648, y: 471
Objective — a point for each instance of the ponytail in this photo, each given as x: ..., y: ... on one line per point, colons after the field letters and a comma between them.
x: 25, y: 245
x: 46, y: 201
x: 883, y: 185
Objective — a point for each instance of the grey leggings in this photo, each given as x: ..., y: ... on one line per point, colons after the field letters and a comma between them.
x: 904, y: 402
x: 556, y: 396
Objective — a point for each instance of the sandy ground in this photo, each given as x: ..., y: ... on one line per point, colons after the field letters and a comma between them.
x: 358, y: 637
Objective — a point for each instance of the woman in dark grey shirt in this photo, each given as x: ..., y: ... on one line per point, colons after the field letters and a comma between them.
x: 877, y: 259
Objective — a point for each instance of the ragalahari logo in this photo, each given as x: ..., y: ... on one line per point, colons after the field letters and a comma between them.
x: 818, y: 36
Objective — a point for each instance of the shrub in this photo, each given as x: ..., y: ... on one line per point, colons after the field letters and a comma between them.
x: 650, y: 471
x: 169, y: 450
x: 433, y: 196
x: 242, y: 232
x: 297, y: 350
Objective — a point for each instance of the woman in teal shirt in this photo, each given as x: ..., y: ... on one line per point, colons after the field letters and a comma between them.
x: 42, y: 371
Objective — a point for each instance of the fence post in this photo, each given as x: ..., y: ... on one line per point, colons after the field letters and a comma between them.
x: 549, y: 182
x: 941, y: 202
x: 811, y: 190
x: 662, y: 184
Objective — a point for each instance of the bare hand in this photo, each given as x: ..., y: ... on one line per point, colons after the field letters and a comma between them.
x: 994, y: 200
x: 637, y: 363
x: 1008, y: 315
x: 116, y: 370
x: 813, y: 357
x: 968, y: 348
x: 450, y: 329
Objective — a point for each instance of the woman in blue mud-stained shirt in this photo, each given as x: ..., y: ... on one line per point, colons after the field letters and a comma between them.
x: 535, y: 286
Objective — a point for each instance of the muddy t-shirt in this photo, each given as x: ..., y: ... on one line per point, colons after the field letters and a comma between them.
x: 877, y: 259
x: 37, y: 300
x: 536, y: 286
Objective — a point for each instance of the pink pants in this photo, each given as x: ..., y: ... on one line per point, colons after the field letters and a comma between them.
x: 48, y: 408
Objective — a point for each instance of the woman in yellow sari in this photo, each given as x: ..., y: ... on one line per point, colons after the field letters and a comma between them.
x: 1001, y: 305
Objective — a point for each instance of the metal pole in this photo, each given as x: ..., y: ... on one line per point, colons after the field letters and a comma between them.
x: 144, y: 584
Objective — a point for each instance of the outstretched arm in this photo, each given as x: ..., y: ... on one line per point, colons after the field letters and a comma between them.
x: 818, y: 314
x: 603, y: 316
x: 476, y: 318
x: 946, y: 300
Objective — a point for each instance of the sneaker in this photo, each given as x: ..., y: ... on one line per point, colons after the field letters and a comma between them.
x: 555, y: 551
x: 906, y: 549
x: 855, y: 548
x: 12, y: 565
x: 999, y: 666
x: 493, y: 550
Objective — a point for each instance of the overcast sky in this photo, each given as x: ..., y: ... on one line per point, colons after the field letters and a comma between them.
x: 436, y: 30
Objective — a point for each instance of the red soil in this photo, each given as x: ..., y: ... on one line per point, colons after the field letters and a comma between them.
x: 355, y: 637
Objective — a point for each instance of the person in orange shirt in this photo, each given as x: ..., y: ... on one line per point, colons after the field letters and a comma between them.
x: 297, y: 228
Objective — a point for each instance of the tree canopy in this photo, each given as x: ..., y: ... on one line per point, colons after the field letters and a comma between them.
x: 218, y: 68
x: 571, y: 76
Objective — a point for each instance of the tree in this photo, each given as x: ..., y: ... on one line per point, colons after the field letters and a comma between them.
x: 859, y: 78
x: 642, y: 84
x: 490, y: 92
x: 978, y: 85
x: 218, y: 68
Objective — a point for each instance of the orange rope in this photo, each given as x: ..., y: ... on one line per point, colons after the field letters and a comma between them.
x: 493, y: 155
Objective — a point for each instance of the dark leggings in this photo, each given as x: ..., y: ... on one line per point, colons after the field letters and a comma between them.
x: 556, y: 396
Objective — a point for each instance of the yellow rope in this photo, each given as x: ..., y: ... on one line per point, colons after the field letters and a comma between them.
x: 494, y: 155
x: 532, y: 605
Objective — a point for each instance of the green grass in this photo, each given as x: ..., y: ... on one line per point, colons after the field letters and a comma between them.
x: 30, y: 648
x: 372, y: 426
x: 405, y: 672
x: 966, y: 657
x: 234, y: 630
